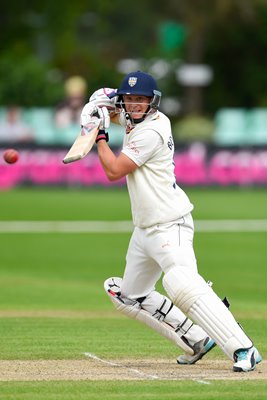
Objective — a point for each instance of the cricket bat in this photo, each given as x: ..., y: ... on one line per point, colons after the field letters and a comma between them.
x: 84, y: 141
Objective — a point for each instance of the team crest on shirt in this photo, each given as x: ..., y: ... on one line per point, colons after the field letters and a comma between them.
x: 132, y: 81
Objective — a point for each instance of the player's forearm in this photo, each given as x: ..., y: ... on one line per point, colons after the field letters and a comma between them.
x: 108, y: 161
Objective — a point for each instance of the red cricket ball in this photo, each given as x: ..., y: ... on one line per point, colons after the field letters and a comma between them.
x: 11, y: 156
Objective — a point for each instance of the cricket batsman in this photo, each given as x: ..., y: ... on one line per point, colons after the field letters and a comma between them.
x: 193, y: 317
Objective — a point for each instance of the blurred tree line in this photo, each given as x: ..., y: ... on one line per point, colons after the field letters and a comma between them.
x: 43, y: 43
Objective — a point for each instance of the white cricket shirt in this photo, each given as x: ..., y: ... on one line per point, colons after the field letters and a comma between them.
x: 155, y: 196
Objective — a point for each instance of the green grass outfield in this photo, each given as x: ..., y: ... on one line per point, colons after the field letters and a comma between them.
x: 53, y: 306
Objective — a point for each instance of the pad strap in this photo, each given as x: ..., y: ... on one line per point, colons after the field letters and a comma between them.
x: 133, y: 309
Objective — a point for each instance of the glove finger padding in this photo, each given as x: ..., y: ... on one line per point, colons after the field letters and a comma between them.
x: 101, y: 98
x: 91, y: 110
x: 103, y: 115
x: 87, y: 112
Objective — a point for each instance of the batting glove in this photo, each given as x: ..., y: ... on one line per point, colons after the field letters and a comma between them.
x: 101, y: 98
x: 103, y: 115
x: 91, y: 110
x: 102, y: 135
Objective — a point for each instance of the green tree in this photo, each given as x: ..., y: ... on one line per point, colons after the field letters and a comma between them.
x: 43, y: 43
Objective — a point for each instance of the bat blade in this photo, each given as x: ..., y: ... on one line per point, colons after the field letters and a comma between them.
x: 84, y: 141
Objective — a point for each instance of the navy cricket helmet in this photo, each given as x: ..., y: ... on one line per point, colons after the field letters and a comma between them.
x: 140, y: 83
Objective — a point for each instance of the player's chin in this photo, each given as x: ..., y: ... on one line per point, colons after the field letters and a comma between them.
x: 137, y: 115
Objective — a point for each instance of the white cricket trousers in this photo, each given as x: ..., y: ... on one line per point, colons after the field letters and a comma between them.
x: 155, y: 250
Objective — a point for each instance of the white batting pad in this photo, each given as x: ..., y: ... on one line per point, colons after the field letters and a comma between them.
x: 196, y: 298
x: 133, y: 310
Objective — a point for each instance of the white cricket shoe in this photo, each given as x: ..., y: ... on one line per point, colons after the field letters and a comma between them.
x: 246, y: 359
x: 200, y: 349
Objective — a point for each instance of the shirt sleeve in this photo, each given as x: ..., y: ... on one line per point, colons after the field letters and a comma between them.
x: 143, y: 146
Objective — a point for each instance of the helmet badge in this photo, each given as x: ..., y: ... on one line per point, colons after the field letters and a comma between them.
x: 132, y: 81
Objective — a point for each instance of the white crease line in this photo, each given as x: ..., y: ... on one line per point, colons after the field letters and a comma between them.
x: 136, y: 371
